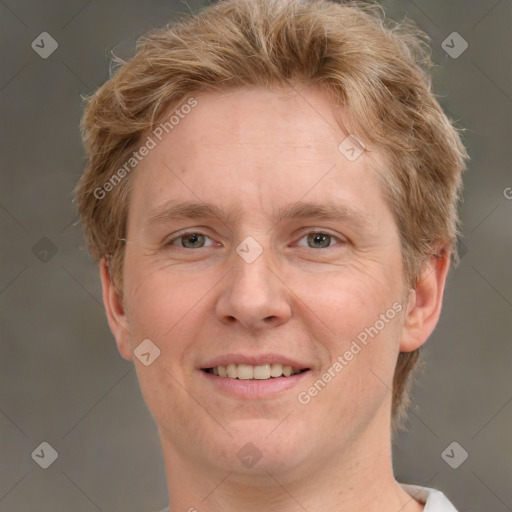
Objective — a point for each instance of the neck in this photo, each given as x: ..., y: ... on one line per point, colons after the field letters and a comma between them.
x: 358, y: 477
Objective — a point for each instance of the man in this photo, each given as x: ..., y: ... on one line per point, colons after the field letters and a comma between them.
x: 271, y: 193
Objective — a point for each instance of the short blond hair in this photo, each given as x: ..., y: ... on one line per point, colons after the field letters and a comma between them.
x: 377, y: 69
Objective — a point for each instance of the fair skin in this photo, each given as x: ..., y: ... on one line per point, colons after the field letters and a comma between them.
x: 303, y: 300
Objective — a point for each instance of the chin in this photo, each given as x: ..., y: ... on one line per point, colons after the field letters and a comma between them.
x: 259, y: 447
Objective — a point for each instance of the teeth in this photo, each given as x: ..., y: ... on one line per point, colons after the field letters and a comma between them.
x: 276, y: 370
x: 245, y: 371
x: 249, y: 372
x: 287, y: 370
x: 231, y: 369
x: 262, y: 372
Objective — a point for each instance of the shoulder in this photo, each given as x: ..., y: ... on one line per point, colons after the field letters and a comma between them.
x: 435, y: 501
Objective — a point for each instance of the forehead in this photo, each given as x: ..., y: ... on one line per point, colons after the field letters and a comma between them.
x: 257, y: 147
x: 296, y: 119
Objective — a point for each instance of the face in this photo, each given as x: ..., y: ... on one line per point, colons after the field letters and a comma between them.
x: 254, y: 242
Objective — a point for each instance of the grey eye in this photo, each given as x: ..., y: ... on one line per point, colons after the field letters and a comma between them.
x: 190, y: 240
x: 319, y: 240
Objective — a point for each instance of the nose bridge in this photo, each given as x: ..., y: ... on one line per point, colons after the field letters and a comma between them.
x: 252, y: 269
x: 253, y: 295
x: 252, y: 276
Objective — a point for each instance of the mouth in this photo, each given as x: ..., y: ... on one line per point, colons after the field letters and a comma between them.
x: 261, y: 377
x: 254, y: 372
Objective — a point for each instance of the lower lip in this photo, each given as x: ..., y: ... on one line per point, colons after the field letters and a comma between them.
x: 254, y: 389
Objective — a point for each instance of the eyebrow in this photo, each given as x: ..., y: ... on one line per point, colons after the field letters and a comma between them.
x: 182, y: 210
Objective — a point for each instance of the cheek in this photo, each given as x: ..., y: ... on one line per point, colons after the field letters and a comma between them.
x: 162, y: 310
x: 171, y: 405
x: 357, y: 322
x: 346, y: 302
x: 356, y: 381
x: 157, y: 301
x: 165, y: 311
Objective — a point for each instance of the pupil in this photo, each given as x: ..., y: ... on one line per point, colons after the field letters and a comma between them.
x: 192, y: 239
x: 320, y: 239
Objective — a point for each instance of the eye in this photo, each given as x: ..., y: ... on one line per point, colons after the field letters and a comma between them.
x: 190, y: 241
x: 319, y: 240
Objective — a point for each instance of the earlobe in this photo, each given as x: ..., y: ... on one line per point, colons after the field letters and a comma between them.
x: 115, y: 311
x: 425, y: 303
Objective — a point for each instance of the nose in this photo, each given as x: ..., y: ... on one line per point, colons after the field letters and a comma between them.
x: 254, y: 295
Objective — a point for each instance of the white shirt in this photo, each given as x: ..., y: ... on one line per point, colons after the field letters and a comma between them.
x: 435, y: 501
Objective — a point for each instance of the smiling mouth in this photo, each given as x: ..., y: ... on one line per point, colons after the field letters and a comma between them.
x: 250, y: 372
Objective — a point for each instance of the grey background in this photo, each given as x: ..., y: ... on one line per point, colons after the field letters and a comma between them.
x: 61, y: 378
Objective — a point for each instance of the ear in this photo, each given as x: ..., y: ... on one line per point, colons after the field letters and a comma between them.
x: 116, y: 314
x: 425, y: 301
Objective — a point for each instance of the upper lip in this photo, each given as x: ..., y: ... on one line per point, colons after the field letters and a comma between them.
x: 254, y: 360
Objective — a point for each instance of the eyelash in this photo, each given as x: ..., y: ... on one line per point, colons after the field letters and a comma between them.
x: 188, y: 233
